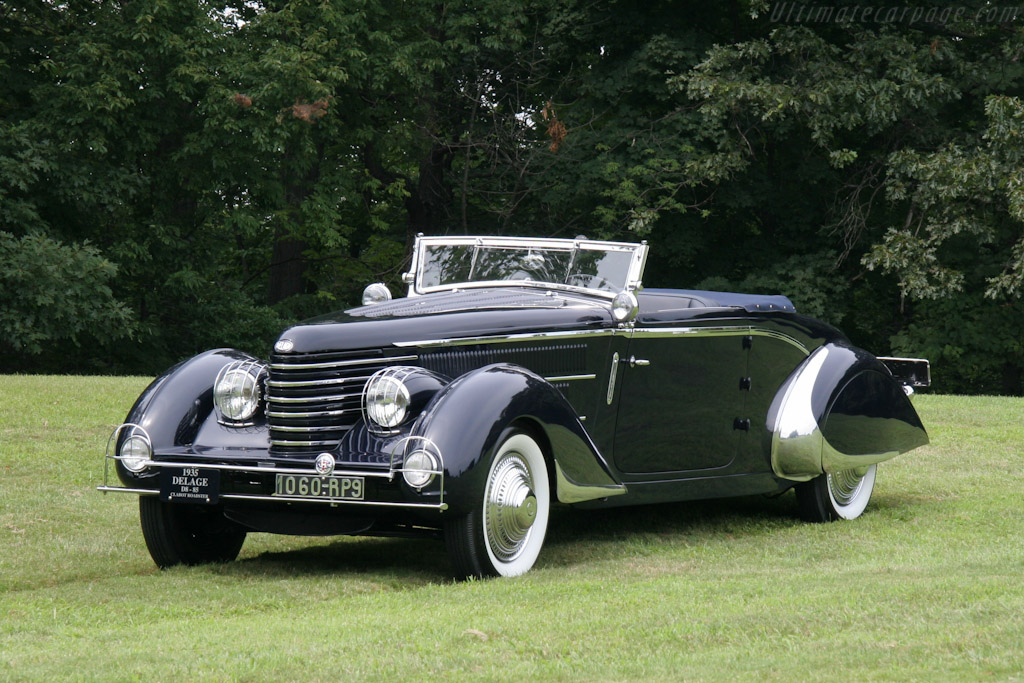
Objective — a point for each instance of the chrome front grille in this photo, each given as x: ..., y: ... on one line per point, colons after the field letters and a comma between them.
x: 313, y: 399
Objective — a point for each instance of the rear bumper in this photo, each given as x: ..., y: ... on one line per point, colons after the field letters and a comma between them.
x: 910, y: 372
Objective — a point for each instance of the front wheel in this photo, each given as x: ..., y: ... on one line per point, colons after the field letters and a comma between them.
x: 503, y: 534
x: 188, y: 534
x: 837, y: 495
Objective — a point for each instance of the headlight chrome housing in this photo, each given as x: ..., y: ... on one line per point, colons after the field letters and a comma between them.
x: 237, y: 392
x: 625, y: 306
x: 420, y: 468
x: 395, y: 395
x: 376, y: 293
x: 386, y: 399
x: 135, y: 451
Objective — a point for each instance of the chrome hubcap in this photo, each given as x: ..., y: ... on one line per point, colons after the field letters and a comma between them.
x: 845, y: 485
x: 510, y: 507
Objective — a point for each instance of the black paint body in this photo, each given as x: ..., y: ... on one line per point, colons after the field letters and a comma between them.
x: 682, y: 404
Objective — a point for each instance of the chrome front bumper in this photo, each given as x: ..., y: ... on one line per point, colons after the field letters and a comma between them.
x: 397, y: 455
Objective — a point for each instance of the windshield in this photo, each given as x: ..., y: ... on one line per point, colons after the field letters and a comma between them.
x: 605, y: 267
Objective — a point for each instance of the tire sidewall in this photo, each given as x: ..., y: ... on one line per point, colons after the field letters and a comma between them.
x: 517, y: 441
x: 855, y: 507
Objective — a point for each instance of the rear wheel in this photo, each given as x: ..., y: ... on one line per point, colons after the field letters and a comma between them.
x: 188, y: 534
x: 837, y: 495
x: 503, y: 534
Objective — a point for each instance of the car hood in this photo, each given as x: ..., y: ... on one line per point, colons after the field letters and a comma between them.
x: 447, y: 315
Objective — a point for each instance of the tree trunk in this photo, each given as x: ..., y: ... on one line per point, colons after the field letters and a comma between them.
x: 287, y: 267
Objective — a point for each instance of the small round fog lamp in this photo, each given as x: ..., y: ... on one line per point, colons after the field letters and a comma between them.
x: 135, y: 451
x: 419, y: 469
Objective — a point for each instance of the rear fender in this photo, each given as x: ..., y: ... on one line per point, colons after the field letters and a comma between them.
x: 465, y: 419
x: 840, y: 409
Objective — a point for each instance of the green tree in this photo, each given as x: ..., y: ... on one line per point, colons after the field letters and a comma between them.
x: 891, y: 145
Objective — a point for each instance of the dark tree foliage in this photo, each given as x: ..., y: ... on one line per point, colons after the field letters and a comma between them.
x: 200, y: 174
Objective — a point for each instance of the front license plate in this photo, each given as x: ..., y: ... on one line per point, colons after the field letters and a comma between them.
x: 313, y: 486
x: 189, y: 485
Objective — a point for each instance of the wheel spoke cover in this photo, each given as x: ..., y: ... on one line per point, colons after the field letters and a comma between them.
x: 510, y: 507
x: 845, y: 485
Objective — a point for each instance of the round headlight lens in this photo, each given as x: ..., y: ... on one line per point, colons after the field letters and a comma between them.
x: 419, y: 469
x: 624, y: 306
x: 376, y: 293
x: 386, y: 400
x: 236, y: 393
x: 135, y: 451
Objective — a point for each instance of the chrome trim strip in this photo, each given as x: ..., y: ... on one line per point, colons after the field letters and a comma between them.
x: 336, y: 398
x: 502, y: 338
x: 300, y: 428
x: 319, y: 413
x: 440, y: 507
x: 648, y: 332
x: 569, y: 491
x: 719, y: 331
x: 281, y: 442
x: 264, y: 469
x: 569, y: 378
x: 121, y: 489
x: 797, y: 441
x: 531, y: 284
x: 336, y: 501
x: 611, y: 378
x: 285, y: 384
x: 339, y: 363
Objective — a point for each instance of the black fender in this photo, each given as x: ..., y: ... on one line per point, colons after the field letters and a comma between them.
x: 840, y: 409
x: 465, y: 419
x: 178, y: 404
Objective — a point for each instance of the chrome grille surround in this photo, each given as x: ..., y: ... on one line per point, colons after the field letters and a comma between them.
x: 313, y: 399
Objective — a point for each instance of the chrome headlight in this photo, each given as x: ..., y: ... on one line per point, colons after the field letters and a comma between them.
x: 420, y: 468
x: 386, y: 398
x: 376, y: 293
x: 135, y: 451
x: 237, y: 391
x: 624, y: 306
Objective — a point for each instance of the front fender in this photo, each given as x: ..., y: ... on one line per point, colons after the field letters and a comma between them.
x: 177, y: 404
x: 465, y: 419
x: 840, y: 409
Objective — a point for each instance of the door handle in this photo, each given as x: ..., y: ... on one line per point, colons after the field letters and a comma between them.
x: 634, y: 362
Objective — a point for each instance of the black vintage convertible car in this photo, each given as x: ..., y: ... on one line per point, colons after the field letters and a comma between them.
x: 517, y: 374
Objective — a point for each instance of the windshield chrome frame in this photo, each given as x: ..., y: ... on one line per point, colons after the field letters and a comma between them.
x: 634, y: 276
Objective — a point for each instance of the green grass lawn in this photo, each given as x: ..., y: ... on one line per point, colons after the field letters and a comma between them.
x: 928, y: 584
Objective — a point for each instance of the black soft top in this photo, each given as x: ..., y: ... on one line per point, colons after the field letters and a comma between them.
x: 655, y: 300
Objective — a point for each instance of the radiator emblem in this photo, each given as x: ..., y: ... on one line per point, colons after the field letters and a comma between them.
x: 324, y: 464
